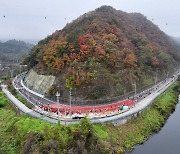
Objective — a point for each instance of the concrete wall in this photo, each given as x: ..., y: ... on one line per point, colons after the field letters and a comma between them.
x: 38, y: 83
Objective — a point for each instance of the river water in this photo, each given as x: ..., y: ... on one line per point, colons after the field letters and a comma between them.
x: 167, y: 141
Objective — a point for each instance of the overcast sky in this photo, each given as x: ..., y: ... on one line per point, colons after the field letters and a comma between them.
x: 25, y: 19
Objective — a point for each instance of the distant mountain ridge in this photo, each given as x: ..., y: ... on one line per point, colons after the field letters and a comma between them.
x: 14, y: 50
x: 177, y: 40
x: 103, y: 52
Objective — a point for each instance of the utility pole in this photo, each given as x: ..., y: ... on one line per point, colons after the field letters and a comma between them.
x: 134, y: 89
x: 28, y: 91
x: 58, y: 95
x: 70, y: 100
x: 12, y: 72
x: 155, y: 79
x: 167, y: 74
x: 20, y: 68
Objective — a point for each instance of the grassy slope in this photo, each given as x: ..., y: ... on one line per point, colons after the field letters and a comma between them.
x: 137, y: 130
x: 24, y: 134
x: 19, y: 97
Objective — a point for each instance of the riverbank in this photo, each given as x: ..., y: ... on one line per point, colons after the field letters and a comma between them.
x: 168, y: 137
x: 23, y: 134
x: 137, y: 130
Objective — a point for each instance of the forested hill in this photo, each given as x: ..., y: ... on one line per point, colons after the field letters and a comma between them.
x: 103, y: 52
x: 14, y: 50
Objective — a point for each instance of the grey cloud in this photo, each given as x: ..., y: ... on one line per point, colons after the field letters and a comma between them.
x: 35, y: 19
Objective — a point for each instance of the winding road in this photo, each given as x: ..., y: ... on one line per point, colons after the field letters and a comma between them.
x: 143, y: 100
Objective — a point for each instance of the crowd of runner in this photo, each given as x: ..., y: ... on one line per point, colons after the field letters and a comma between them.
x: 52, y: 109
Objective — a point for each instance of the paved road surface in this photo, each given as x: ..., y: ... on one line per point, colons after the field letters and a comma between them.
x: 142, y: 104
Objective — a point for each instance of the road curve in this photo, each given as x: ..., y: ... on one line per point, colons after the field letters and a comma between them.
x: 141, y: 105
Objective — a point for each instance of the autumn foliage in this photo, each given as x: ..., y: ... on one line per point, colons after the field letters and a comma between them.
x: 108, y: 47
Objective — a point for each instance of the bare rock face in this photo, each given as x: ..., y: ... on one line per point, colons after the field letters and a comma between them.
x: 39, y: 83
